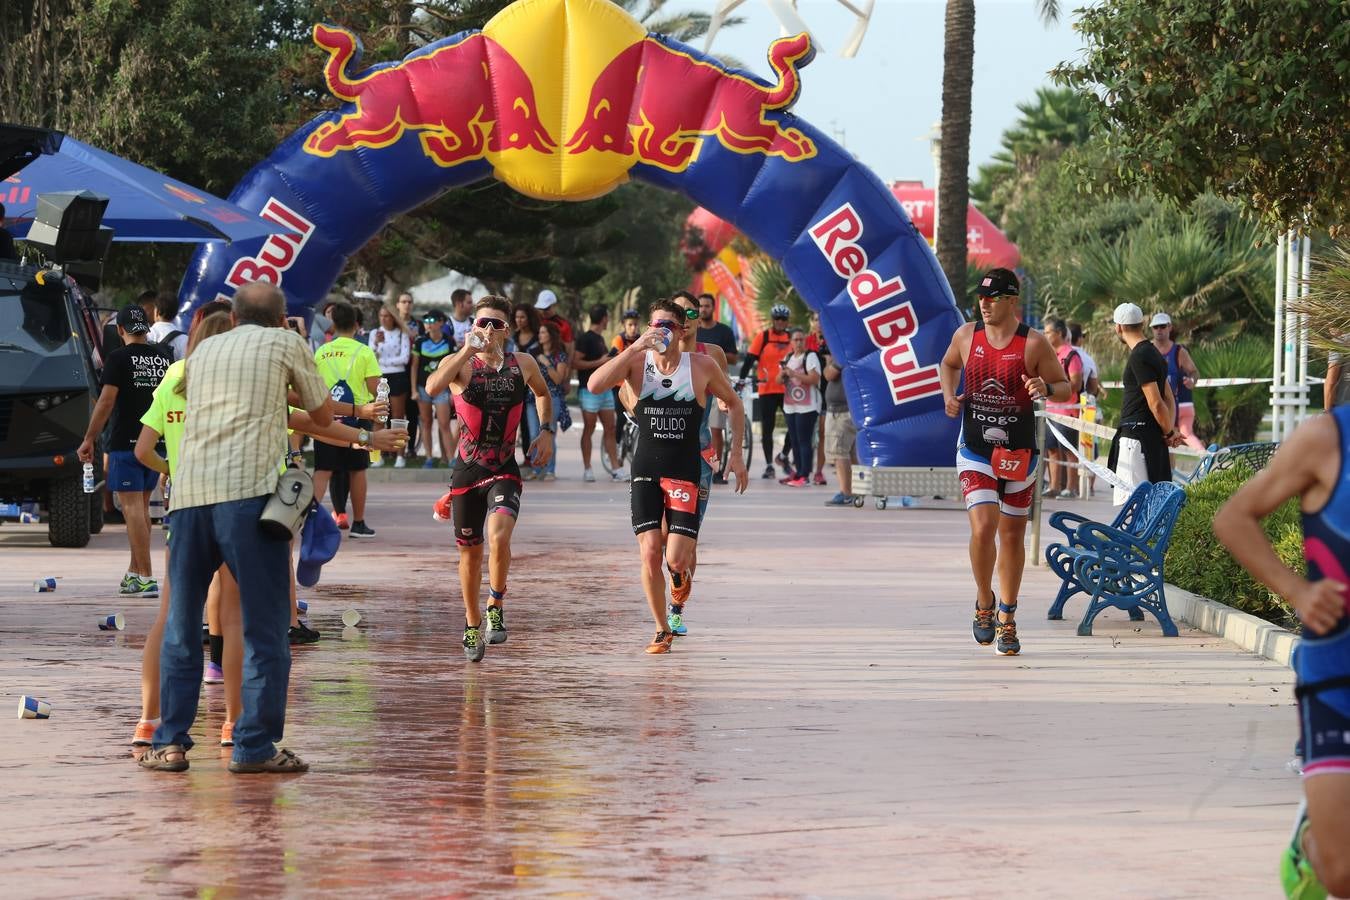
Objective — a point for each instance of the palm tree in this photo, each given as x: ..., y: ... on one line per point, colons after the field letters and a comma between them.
x: 1327, y: 304
x: 1058, y: 118
x: 1215, y: 284
x: 958, y: 73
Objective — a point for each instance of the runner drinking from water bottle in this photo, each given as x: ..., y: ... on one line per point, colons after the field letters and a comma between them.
x: 672, y: 387
x: 682, y: 583
x: 489, y: 387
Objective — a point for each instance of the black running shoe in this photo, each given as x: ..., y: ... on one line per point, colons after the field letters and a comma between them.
x: 496, y: 625
x: 474, y: 644
x: 769, y: 472
x: 361, y: 530
x: 302, y: 634
x: 983, y: 626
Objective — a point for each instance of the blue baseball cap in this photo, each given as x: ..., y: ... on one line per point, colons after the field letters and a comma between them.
x: 319, y: 542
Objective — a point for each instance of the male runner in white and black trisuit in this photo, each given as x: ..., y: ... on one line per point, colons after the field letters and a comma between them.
x: 672, y: 387
x: 489, y: 387
x: 682, y: 583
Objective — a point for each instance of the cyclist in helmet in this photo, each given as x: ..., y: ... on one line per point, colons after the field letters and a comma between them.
x: 765, y: 357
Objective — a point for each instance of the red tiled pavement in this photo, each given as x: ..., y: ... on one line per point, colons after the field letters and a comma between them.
x: 828, y: 728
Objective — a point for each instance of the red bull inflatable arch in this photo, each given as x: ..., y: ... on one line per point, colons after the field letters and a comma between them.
x: 567, y: 99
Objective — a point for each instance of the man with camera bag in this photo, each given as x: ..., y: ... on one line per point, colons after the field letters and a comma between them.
x: 230, y: 459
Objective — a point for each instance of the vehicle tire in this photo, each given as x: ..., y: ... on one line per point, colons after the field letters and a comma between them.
x: 95, y: 511
x: 68, y: 512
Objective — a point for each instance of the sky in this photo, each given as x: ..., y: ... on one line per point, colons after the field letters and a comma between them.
x: 882, y: 104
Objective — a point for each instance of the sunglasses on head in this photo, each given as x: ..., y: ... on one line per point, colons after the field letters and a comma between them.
x: 489, y: 322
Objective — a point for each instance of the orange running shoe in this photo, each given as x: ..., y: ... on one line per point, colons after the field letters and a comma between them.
x: 145, y: 733
x: 681, y: 583
x: 341, y: 520
x: 227, y: 734
x: 661, y: 643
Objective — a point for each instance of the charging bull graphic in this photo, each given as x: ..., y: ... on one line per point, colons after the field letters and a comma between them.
x: 634, y: 110
x: 492, y: 106
x: 565, y: 100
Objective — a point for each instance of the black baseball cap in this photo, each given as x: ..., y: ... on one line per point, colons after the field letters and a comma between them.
x: 433, y: 315
x: 999, y: 283
x: 131, y: 319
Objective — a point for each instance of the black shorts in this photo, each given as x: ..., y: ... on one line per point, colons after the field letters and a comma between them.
x: 331, y: 458
x: 400, y: 385
x: 476, y: 493
x: 670, y: 499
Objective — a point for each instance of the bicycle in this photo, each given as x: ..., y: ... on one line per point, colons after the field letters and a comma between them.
x: 744, y: 387
x: 625, y: 442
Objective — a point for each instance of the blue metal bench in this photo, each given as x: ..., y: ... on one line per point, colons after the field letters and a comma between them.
x: 1118, y: 565
x: 1255, y: 455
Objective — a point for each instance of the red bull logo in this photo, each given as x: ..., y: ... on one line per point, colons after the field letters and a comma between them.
x: 620, y: 96
x: 658, y: 105
x: 463, y: 100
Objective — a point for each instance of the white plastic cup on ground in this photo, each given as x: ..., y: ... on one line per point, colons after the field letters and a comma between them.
x: 44, y: 585
x: 351, y: 634
x: 115, y: 622
x: 350, y: 618
x: 33, y: 708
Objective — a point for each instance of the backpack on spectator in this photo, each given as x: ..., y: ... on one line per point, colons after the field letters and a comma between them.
x: 167, y: 343
x: 342, y: 392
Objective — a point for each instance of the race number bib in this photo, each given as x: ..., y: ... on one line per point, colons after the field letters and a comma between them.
x: 1011, y: 465
x: 681, y: 496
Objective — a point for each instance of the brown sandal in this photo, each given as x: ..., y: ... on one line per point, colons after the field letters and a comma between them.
x: 285, y: 762
x: 159, y: 759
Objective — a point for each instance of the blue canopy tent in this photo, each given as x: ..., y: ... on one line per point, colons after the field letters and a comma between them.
x: 143, y: 205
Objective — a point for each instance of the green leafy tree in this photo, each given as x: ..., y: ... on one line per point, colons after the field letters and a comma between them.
x: 1243, y: 99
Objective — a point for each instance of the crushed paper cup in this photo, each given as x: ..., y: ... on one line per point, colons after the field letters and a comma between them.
x: 44, y: 585
x: 115, y: 622
x: 351, y: 618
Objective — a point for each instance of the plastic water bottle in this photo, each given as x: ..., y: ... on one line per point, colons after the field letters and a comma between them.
x: 382, y: 396
x: 88, y: 478
x: 477, y: 341
x: 663, y: 343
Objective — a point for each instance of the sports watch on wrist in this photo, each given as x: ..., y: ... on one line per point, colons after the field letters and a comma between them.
x: 549, y: 428
x: 363, y: 437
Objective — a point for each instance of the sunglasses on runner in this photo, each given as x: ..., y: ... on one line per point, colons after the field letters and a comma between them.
x: 489, y: 322
x: 690, y: 312
x: 667, y: 324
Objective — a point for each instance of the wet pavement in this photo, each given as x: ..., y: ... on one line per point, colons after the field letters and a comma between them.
x: 828, y: 727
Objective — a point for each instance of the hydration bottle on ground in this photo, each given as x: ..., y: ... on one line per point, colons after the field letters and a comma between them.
x: 382, y: 396
x: 88, y: 478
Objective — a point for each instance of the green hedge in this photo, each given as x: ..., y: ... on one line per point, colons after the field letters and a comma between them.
x: 1197, y: 562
